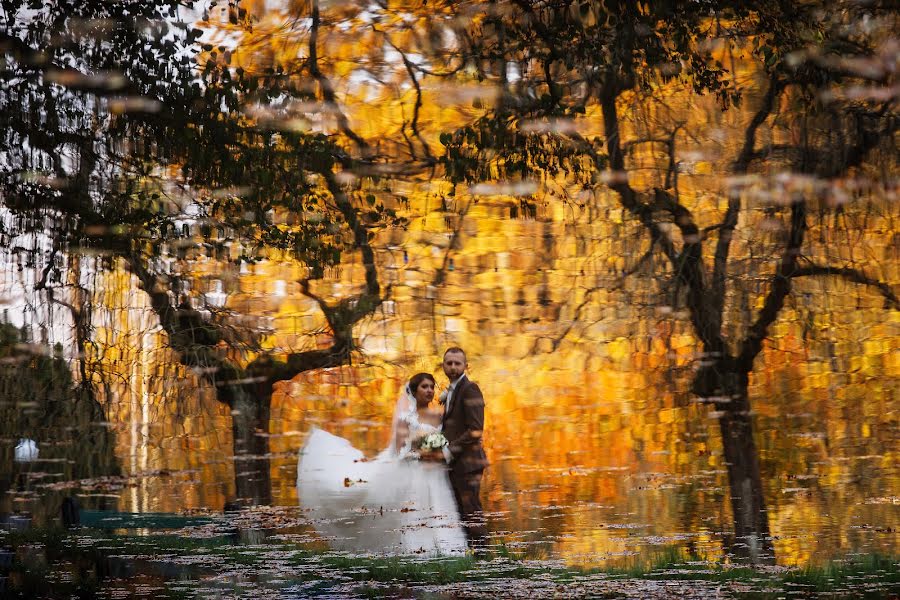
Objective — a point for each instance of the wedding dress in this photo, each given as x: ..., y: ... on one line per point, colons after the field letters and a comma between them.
x: 393, y: 503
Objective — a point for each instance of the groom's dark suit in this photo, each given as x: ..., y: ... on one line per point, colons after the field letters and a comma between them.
x: 463, y: 426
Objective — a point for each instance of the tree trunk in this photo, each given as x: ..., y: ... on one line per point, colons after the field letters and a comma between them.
x: 250, y: 430
x: 752, y: 541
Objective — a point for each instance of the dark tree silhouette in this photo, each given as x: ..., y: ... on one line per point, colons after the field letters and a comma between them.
x: 42, y: 403
x: 573, y: 57
x: 100, y: 101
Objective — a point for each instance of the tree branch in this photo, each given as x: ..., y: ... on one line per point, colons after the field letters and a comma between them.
x: 194, y: 338
x: 189, y: 333
x: 588, y: 293
x: 780, y: 287
x: 42, y: 282
x: 360, y: 237
x: 442, y: 271
x: 741, y: 165
x: 742, y: 162
x: 628, y: 197
x: 327, y: 89
x: 849, y: 274
x: 414, y: 125
x: 688, y: 264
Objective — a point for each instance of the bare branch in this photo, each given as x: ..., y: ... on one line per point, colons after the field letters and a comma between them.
x: 442, y: 271
x: 849, y: 274
x: 672, y: 170
x: 42, y: 282
x: 704, y: 233
x: 780, y: 287
x: 688, y: 264
x: 327, y: 88
x: 414, y: 125
x: 590, y: 292
x: 630, y: 144
x: 360, y: 236
x: 741, y: 164
x: 629, y: 200
x: 669, y: 143
x: 835, y: 161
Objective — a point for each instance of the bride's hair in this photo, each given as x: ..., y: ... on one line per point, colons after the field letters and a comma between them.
x: 418, y: 378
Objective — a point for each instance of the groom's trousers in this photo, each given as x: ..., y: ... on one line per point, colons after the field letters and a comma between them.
x: 467, y: 489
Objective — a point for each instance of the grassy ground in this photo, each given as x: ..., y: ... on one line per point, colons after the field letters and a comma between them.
x: 87, y: 564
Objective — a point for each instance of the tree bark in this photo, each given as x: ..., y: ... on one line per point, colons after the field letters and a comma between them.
x: 250, y: 429
x: 752, y: 540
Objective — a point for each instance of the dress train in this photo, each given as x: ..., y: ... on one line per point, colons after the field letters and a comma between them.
x: 391, y: 504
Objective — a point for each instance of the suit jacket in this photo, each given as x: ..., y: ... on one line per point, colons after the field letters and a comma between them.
x: 463, y: 426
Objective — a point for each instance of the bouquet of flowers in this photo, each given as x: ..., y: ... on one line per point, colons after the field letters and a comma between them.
x: 432, y: 441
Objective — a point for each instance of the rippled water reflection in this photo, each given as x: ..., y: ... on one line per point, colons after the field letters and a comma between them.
x: 599, y: 452
x: 585, y: 470
x: 580, y: 338
x: 594, y: 458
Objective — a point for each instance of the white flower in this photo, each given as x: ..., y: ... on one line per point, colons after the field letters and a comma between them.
x: 433, y: 441
x: 443, y: 397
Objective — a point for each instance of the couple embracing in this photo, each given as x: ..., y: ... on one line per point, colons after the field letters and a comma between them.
x: 422, y: 493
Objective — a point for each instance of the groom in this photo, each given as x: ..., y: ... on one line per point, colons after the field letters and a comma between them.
x: 463, y: 426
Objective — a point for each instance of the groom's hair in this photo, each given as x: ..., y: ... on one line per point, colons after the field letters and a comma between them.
x: 419, y: 378
x: 456, y: 350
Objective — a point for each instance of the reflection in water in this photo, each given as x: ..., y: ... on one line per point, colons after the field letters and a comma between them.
x: 384, y: 504
x: 635, y: 400
x: 598, y: 449
x: 52, y: 433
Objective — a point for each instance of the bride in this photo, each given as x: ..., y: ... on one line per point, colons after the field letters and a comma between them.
x: 394, y: 503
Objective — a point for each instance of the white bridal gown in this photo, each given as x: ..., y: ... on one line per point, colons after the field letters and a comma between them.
x: 391, y: 504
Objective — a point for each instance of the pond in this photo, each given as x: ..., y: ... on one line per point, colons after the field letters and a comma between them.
x: 674, y: 277
x: 598, y: 450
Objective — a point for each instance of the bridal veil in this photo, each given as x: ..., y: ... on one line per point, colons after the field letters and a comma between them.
x: 390, y: 504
